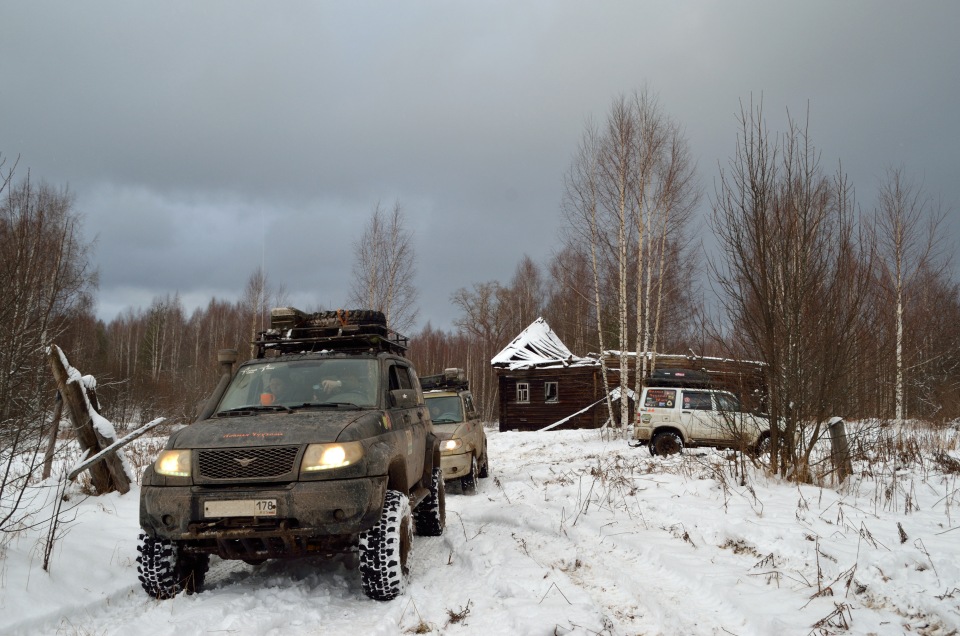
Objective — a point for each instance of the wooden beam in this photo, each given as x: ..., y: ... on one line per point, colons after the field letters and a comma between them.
x: 113, y: 448
x: 107, y: 475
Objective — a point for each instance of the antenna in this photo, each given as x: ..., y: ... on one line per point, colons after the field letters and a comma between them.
x: 262, y: 292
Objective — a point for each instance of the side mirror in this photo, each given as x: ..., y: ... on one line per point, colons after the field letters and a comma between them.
x: 403, y: 398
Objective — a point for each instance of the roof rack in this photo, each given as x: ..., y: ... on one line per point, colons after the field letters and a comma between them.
x: 452, y: 379
x: 346, y: 331
x: 688, y: 378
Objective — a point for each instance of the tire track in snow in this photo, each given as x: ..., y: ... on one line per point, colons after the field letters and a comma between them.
x: 618, y: 574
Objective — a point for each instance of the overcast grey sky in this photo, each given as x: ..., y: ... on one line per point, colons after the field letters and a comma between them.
x: 202, y: 139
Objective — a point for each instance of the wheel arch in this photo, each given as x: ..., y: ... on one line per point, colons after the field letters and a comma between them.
x: 397, y: 475
x: 669, y: 428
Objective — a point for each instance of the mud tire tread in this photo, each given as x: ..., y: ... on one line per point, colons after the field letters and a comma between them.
x: 485, y: 466
x: 666, y: 443
x: 384, y: 548
x: 430, y: 517
x: 469, y: 481
x: 165, y: 571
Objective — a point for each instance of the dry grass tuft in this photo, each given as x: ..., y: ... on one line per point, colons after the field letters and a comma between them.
x: 458, y: 617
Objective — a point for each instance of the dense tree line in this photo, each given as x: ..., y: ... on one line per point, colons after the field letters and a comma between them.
x: 854, y: 312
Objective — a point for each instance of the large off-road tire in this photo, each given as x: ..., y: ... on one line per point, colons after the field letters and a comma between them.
x: 384, y: 549
x: 430, y: 517
x: 485, y: 466
x: 165, y: 571
x: 666, y: 443
x: 469, y: 481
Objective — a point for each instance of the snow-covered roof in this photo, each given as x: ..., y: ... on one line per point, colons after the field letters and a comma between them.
x: 538, y: 346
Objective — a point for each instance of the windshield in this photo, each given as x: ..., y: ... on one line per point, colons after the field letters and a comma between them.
x: 444, y: 410
x: 303, y: 383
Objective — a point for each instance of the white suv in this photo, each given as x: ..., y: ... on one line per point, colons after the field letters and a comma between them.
x: 671, y: 417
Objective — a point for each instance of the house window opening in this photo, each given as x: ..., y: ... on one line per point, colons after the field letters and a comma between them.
x: 523, y: 392
x: 550, y: 392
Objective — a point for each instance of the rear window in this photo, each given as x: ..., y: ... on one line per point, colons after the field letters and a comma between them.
x: 696, y: 400
x: 660, y: 398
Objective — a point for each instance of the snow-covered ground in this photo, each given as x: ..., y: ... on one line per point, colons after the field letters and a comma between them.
x: 573, y: 533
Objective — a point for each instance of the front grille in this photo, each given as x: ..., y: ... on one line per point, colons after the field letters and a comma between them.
x: 247, y: 463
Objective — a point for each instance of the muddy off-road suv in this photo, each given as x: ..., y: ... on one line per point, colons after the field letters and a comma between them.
x: 463, y: 442
x: 320, y: 446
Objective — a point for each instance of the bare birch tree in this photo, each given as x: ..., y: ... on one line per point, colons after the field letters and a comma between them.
x: 581, y: 206
x: 907, y: 236
x: 259, y: 296
x: 523, y: 299
x: 384, y: 267
x: 666, y: 195
x: 629, y: 194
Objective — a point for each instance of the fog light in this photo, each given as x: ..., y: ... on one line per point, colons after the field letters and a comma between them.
x: 339, y: 514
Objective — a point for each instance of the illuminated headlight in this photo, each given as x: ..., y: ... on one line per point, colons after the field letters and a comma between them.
x: 451, y: 444
x: 327, y: 456
x: 173, y: 463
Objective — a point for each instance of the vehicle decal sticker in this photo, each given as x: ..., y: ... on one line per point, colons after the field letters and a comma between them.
x: 256, y: 435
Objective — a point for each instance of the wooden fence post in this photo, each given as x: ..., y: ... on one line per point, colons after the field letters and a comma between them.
x: 839, y: 449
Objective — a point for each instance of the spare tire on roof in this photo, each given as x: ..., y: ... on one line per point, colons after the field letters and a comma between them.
x: 344, y: 317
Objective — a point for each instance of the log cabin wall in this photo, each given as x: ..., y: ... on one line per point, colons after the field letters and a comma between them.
x: 576, y: 389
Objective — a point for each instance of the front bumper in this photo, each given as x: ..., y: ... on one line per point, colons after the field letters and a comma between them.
x: 455, y: 466
x: 321, y: 510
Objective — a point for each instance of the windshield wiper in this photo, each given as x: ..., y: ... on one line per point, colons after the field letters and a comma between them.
x: 331, y: 404
x: 252, y: 407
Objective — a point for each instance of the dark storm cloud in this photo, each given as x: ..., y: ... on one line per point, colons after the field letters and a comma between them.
x: 203, y: 140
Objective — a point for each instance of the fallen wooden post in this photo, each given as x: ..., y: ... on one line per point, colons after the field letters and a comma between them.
x: 93, y: 431
x: 112, y: 448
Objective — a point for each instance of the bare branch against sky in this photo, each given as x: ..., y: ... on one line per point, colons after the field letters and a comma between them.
x: 202, y: 140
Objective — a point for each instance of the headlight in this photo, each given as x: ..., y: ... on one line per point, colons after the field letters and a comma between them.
x: 173, y: 463
x: 451, y: 444
x: 327, y: 456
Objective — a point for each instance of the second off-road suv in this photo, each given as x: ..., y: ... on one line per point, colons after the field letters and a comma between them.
x: 463, y: 441
x: 321, y: 445
x: 678, y: 408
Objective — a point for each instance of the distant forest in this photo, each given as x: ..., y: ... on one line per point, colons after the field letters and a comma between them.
x: 854, y: 312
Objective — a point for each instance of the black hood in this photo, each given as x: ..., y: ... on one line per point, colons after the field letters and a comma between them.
x: 281, y: 428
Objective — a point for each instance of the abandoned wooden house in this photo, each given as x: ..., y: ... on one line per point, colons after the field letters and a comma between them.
x: 543, y: 384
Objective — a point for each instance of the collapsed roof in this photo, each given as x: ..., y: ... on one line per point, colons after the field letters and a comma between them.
x: 538, y: 346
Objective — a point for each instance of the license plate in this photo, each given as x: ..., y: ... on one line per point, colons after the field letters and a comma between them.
x: 241, y: 508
